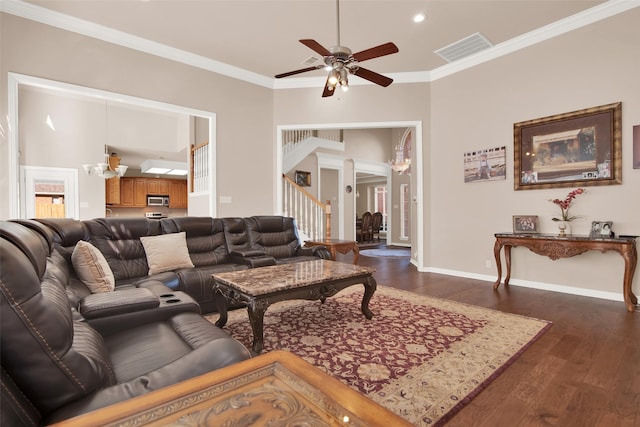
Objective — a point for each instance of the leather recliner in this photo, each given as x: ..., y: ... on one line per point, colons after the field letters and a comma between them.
x: 55, y: 365
x: 277, y: 237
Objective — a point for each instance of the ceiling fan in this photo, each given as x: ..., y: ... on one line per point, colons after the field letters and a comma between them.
x: 340, y: 62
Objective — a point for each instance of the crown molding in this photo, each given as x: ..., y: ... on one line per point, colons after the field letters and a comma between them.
x: 80, y: 26
x: 582, y: 19
x: 100, y: 32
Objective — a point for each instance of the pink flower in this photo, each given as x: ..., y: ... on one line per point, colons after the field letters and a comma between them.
x: 565, y: 204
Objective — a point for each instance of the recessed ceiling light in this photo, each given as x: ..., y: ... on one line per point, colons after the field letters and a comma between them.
x: 419, y: 17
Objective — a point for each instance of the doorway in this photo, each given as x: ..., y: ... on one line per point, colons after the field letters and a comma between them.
x: 50, y: 192
x: 417, y: 220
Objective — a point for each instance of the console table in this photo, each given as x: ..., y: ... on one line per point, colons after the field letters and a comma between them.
x: 336, y: 245
x: 555, y: 247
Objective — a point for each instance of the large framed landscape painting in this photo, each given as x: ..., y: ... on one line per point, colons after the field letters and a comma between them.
x: 580, y: 148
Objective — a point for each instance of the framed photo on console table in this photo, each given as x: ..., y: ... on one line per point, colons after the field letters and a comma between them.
x: 525, y: 224
x: 601, y: 229
x: 580, y: 148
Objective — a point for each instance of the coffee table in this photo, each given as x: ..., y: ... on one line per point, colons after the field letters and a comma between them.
x: 260, y: 287
x: 276, y: 388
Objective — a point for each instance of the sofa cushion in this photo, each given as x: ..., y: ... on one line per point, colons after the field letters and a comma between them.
x: 92, y: 268
x: 135, y: 352
x: 205, y: 238
x: 42, y: 348
x: 275, y: 235
x: 119, y: 241
x: 166, y: 252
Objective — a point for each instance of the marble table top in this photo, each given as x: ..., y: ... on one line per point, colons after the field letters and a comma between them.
x: 262, y: 280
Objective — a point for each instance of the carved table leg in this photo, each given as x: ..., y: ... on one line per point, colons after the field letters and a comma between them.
x: 332, y: 251
x: 630, y: 259
x: 221, y: 305
x: 507, y: 259
x: 369, y: 289
x: 356, y: 253
x: 496, y: 253
x: 256, y: 310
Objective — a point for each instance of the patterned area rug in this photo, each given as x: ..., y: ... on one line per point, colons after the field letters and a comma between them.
x: 383, y: 253
x: 421, y: 357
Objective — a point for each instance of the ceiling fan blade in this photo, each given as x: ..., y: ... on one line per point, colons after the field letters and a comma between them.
x: 328, y: 92
x: 374, y: 77
x: 315, y: 46
x: 303, y: 70
x: 375, y: 52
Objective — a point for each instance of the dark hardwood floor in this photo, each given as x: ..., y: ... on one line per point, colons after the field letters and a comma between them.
x: 584, y: 371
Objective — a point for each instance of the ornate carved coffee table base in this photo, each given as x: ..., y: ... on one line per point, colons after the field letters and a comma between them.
x: 258, y: 288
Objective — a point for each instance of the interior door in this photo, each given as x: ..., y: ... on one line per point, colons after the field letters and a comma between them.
x: 58, y: 184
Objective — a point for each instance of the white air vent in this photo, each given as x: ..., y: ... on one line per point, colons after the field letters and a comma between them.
x: 465, y: 47
x: 310, y: 60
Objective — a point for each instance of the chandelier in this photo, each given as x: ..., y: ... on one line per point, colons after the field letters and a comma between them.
x: 400, y: 164
x: 110, y: 168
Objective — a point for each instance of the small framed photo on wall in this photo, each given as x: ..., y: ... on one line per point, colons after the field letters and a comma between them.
x: 303, y: 179
x: 487, y: 164
x: 525, y: 224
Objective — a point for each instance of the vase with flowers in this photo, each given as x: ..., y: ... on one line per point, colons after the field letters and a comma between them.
x: 565, y: 219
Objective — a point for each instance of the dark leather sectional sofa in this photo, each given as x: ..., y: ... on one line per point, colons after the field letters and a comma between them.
x: 66, y: 351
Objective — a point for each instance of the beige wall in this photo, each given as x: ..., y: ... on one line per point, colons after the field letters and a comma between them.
x: 588, y: 67
x: 591, y: 66
x: 245, y: 154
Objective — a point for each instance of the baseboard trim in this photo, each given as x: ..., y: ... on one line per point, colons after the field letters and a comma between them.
x: 571, y: 290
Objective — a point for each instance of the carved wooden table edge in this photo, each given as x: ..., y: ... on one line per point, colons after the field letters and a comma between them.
x: 212, y: 398
x: 335, y: 245
x: 555, y: 247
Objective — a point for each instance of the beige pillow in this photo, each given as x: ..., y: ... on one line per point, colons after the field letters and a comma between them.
x: 92, y: 268
x: 166, y: 252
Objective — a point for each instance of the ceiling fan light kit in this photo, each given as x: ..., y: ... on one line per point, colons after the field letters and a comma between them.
x: 340, y: 62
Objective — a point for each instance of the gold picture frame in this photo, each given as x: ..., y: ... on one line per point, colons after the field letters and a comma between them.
x: 577, y: 149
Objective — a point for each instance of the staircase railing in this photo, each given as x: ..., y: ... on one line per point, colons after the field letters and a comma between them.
x: 199, y: 164
x: 291, y: 137
x: 313, y: 217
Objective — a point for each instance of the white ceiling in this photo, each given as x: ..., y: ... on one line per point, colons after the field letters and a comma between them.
x: 261, y: 36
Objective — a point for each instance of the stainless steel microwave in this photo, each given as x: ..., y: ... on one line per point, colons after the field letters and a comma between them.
x: 158, y: 201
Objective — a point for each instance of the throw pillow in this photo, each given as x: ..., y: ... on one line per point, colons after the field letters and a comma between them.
x: 166, y: 252
x: 92, y: 268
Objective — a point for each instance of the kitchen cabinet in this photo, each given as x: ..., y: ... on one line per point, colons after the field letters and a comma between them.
x: 112, y: 191
x: 178, y: 194
x: 126, y: 192
x: 140, y: 192
x: 133, y: 191
x: 158, y: 187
